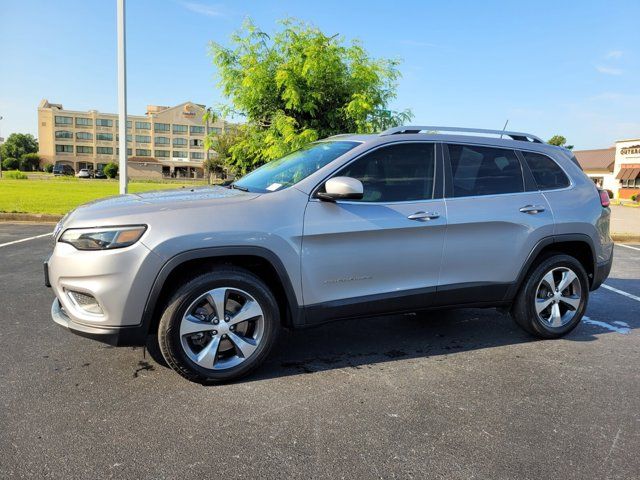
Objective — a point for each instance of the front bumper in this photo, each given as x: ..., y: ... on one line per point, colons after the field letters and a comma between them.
x: 116, y: 336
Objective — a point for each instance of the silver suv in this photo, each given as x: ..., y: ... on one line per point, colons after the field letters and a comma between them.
x: 411, y: 219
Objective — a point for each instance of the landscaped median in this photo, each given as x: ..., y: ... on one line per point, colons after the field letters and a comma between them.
x: 49, y: 198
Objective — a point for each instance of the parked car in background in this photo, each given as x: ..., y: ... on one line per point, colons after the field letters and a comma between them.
x: 100, y: 174
x: 84, y: 173
x: 350, y: 226
x: 63, y: 169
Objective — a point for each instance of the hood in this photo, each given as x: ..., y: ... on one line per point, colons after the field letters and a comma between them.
x: 137, y: 204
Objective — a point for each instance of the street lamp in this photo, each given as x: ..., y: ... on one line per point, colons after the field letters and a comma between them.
x: 1, y: 140
x: 122, y: 99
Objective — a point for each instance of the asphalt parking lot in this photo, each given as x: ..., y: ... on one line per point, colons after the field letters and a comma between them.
x: 462, y: 394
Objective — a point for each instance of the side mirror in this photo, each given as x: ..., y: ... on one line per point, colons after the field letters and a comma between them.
x: 341, y: 188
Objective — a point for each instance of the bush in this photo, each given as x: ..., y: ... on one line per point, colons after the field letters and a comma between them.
x: 10, y: 164
x: 634, y: 198
x: 111, y: 170
x: 48, y: 168
x: 15, y: 175
x: 29, y: 162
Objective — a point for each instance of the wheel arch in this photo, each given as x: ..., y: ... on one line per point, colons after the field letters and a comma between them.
x: 579, y: 246
x: 258, y: 260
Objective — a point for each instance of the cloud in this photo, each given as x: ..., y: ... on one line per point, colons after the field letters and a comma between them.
x: 614, y: 54
x: 204, y: 9
x: 417, y: 43
x: 608, y: 70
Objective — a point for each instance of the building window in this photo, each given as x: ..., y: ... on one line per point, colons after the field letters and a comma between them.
x: 128, y: 151
x: 104, y: 150
x: 197, y: 155
x: 84, y: 149
x: 84, y: 122
x: 195, y: 129
x: 161, y: 127
x: 64, y: 148
x: 162, y: 153
x: 180, y: 129
x: 196, y: 142
x: 105, y: 137
x: 179, y: 141
x: 128, y: 123
x: 84, y: 136
x: 104, y: 122
x: 143, y: 139
x: 129, y: 137
x: 64, y: 120
x: 180, y: 154
x: 64, y: 134
x: 162, y: 141
x: 143, y: 126
x: 143, y: 152
x: 215, y: 130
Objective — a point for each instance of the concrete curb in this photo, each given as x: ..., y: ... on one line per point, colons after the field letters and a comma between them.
x: 29, y: 217
x: 625, y: 237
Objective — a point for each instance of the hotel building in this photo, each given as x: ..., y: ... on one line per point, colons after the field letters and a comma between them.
x: 166, y: 142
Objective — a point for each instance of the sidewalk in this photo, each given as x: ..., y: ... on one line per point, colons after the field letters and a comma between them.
x: 625, y: 223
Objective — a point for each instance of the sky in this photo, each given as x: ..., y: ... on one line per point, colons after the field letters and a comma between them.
x: 549, y: 67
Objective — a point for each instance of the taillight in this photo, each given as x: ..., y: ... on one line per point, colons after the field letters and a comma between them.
x: 604, y: 198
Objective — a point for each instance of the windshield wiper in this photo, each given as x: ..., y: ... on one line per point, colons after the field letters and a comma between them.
x: 238, y: 187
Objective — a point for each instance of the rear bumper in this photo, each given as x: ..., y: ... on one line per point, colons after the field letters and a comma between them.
x: 116, y: 336
x: 601, y: 273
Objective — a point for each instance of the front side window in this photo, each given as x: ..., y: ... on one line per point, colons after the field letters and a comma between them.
x: 395, y: 173
x: 547, y: 173
x: 484, y: 171
x: 294, y: 167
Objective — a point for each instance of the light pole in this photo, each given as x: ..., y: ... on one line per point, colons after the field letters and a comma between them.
x: 1, y: 140
x: 122, y: 99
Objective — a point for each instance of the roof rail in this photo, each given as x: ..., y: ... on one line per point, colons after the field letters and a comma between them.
x: 524, y: 137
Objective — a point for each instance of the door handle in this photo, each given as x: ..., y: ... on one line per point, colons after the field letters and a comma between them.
x: 532, y: 209
x: 423, y: 216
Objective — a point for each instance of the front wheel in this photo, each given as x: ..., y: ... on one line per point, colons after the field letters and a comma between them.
x: 553, y: 298
x: 219, y: 326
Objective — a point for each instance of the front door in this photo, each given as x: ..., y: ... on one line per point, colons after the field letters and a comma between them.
x: 382, y: 253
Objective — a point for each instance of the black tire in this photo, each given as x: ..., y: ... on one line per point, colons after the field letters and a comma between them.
x: 169, y: 327
x: 523, y: 309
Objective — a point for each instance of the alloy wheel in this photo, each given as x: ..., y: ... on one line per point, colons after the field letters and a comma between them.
x: 558, y: 297
x: 222, y: 328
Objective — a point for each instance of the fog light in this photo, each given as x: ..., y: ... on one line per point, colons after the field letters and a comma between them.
x: 86, y: 302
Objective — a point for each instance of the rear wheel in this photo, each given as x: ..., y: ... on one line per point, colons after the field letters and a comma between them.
x: 553, y: 298
x: 219, y: 326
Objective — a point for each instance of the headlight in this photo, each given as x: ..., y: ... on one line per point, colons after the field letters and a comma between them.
x: 105, y: 238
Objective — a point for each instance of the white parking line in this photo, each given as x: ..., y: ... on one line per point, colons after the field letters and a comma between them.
x: 621, y: 292
x: 25, y: 239
x: 628, y: 246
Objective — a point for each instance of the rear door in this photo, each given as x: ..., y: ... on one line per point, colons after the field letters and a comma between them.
x: 381, y: 253
x: 495, y: 218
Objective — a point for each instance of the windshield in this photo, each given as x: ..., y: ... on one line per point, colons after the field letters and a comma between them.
x: 294, y: 167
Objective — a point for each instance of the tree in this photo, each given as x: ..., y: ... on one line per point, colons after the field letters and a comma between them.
x: 30, y: 162
x: 221, y: 144
x: 559, y: 141
x: 10, y: 163
x: 298, y: 86
x: 19, y: 144
x: 111, y: 169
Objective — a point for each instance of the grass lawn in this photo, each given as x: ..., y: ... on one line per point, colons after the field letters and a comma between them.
x: 60, y: 194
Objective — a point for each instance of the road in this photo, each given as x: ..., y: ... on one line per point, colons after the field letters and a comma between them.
x: 449, y: 395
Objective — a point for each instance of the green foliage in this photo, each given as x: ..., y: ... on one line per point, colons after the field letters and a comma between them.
x: 15, y: 175
x: 30, y: 162
x: 559, y: 141
x: 298, y: 86
x: 18, y: 144
x: 221, y: 145
x: 48, y: 168
x: 634, y: 198
x: 111, y: 169
x: 10, y: 163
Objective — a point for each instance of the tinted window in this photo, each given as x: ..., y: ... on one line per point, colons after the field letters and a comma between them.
x: 484, y: 171
x: 547, y: 173
x: 396, y: 173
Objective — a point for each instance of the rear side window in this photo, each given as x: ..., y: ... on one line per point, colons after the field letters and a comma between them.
x: 397, y: 173
x: 547, y: 173
x: 484, y: 171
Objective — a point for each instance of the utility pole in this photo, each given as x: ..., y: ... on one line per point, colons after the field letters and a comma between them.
x: 1, y: 140
x: 122, y: 98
